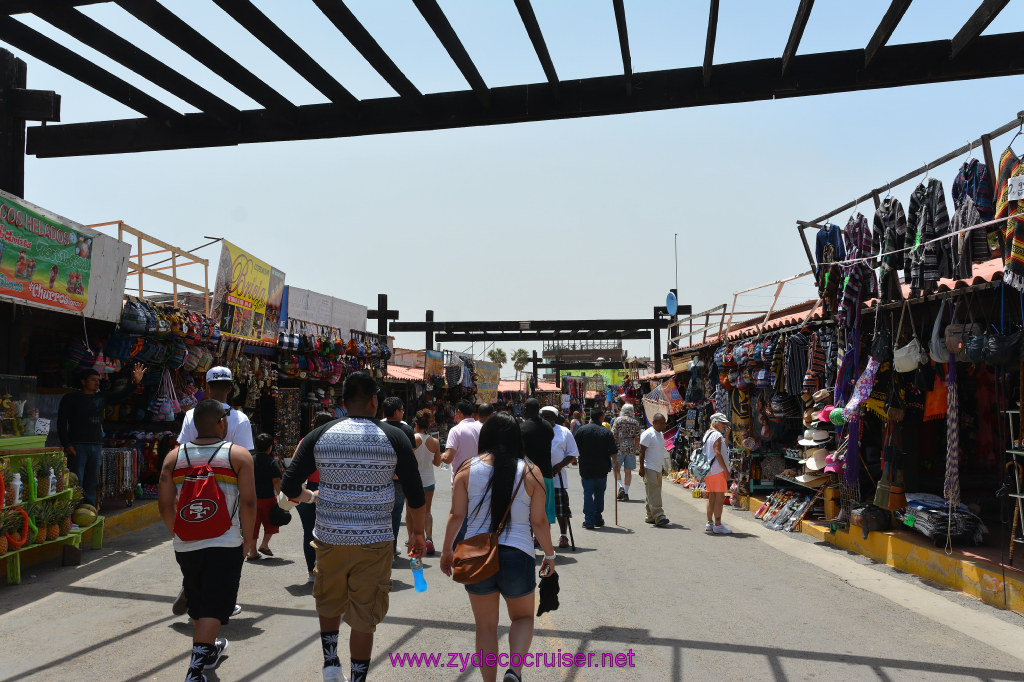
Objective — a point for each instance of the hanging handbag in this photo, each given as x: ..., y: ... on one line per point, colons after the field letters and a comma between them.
x: 1001, y: 349
x: 936, y: 347
x: 909, y: 357
x: 881, y: 344
x: 958, y: 333
x: 476, y: 558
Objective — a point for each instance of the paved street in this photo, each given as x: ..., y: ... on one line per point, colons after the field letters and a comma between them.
x: 758, y: 605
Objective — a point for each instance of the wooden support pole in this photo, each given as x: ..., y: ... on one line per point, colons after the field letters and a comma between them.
x: 382, y: 314
x: 656, y: 333
x: 13, y: 75
x: 536, y: 381
x: 429, y: 341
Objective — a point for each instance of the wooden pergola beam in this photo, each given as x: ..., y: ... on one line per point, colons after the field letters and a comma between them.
x: 442, y: 28
x: 45, y: 49
x: 709, y: 44
x: 803, y: 13
x: 532, y: 27
x: 979, y: 21
x: 891, y: 19
x: 200, y: 48
x: 810, y: 74
x: 627, y: 61
x: 280, y: 43
x: 103, y: 40
x: 346, y: 22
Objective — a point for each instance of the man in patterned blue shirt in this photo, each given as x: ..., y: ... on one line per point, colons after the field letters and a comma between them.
x: 357, y: 458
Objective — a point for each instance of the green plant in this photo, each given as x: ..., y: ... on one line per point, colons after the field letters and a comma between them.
x: 497, y: 355
x: 520, y: 358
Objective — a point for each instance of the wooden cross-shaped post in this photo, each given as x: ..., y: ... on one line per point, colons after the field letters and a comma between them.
x: 382, y: 317
x: 17, y: 105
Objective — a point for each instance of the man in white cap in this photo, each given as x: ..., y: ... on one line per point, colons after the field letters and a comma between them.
x: 563, y: 453
x: 626, y: 430
x: 219, y: 384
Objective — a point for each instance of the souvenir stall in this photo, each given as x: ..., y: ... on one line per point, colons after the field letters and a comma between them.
x: 59, y: 281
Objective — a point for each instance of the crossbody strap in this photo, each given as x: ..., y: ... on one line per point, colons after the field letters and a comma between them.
x: 501, y: 524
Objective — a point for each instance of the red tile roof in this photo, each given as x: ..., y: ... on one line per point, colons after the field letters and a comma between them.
x: 396, y: 373
x: 505, y: 385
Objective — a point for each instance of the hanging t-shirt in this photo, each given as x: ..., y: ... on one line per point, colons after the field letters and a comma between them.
x: 654, y: 456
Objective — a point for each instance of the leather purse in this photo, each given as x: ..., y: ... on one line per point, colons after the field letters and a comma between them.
x: 909, y: 357
x: 476, y: 558
x: 1001, y: 349
x: 958, y: 333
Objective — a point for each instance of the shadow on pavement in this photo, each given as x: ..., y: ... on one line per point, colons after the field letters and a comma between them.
x: 300, y: 590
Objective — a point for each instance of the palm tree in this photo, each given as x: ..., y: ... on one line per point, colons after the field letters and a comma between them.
x: 497, y: 355
x: 520, y: 358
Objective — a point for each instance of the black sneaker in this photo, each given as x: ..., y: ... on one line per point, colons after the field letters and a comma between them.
x: 621, y: 495
x: 600, y: 523
x: 662, y: 522
x: 220, y: 645
x: 588, y: 526
x: 511, y: 676
x: 180, y: 604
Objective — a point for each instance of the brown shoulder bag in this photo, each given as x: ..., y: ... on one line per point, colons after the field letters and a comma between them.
x: 476, y: 558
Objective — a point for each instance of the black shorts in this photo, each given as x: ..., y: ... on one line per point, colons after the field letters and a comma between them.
x: 562, y: 503
x: 210, y: 577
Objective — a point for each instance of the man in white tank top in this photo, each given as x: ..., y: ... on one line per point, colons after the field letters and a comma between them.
x: 211, y: 568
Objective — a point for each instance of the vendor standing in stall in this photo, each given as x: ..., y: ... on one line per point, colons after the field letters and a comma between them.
x: 80, y: 426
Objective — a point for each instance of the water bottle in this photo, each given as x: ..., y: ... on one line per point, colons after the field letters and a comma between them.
x: 417, y: 575
x: 53, y: 483
x: 16, y: 487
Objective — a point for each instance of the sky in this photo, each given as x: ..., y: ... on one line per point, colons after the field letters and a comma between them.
x: 569, y: 219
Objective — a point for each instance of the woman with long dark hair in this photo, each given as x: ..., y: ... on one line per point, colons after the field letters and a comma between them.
x: 483, y: 491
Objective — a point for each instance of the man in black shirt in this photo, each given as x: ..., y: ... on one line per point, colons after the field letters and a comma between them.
x: 80, y: 426
x: 597, y: 450
x: 537, y: 437
x: 394, y: 411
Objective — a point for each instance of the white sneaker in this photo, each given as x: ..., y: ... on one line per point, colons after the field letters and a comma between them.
x: 332, y: 673
x: 237, y: 610
x: 709, y: 527
x: 220, y: 645
x: 722, y: 530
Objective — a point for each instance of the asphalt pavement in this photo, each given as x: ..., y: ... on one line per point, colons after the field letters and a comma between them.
x: 668, y: 603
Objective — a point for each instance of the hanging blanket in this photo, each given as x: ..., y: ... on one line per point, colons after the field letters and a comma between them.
x: 1013, y: 233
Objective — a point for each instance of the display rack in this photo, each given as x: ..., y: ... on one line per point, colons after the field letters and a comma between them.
x: 12, y: 558
x: 1016, y: 471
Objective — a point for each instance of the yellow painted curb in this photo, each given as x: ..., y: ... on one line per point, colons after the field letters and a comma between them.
x: 974, y: 577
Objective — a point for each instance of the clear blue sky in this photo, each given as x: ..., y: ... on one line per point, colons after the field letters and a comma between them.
x: 565, y: 219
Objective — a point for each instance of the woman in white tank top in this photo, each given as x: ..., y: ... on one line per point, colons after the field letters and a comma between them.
x: 428, y: 456
x: 483, y: 491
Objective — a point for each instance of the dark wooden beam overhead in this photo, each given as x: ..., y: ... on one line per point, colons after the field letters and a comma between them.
x: 885, y: 29
x: 526, y: 337
x: 33, y: 105
x: 103, y: 40
x: 32, y: 42
x: 709, y: 45
x: 803, y: 13
x: 442, y: 28
x: 10, y: 7
x: 194, y: 43
x: 280, y: 43
x: 343, y: 19
x: 810, y: 74
x: 627, y: 62
x: 537, y: 38
x: 979, y: 21
x: 533, y: 325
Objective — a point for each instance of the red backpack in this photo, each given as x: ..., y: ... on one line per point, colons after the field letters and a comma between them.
x: 202, y: 511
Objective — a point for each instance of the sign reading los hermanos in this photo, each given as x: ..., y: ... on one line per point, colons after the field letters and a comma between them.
x: 43, y: 261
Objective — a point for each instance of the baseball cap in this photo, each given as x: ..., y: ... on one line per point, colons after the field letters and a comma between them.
x: 218, y: 374
x: 549, y: 408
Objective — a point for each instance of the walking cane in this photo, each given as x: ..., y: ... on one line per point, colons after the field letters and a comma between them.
x: 568, y: 519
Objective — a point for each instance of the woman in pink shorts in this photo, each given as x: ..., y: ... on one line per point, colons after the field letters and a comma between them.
x: 717, y: 481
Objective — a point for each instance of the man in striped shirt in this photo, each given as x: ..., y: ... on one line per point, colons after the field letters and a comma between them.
x: 357, y: 458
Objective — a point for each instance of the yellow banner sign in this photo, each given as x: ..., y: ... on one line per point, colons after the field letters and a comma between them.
x: 487, y: 374
x: 248, y: 295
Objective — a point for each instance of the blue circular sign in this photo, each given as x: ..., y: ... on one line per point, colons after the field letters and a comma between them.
x: 671, y: 303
